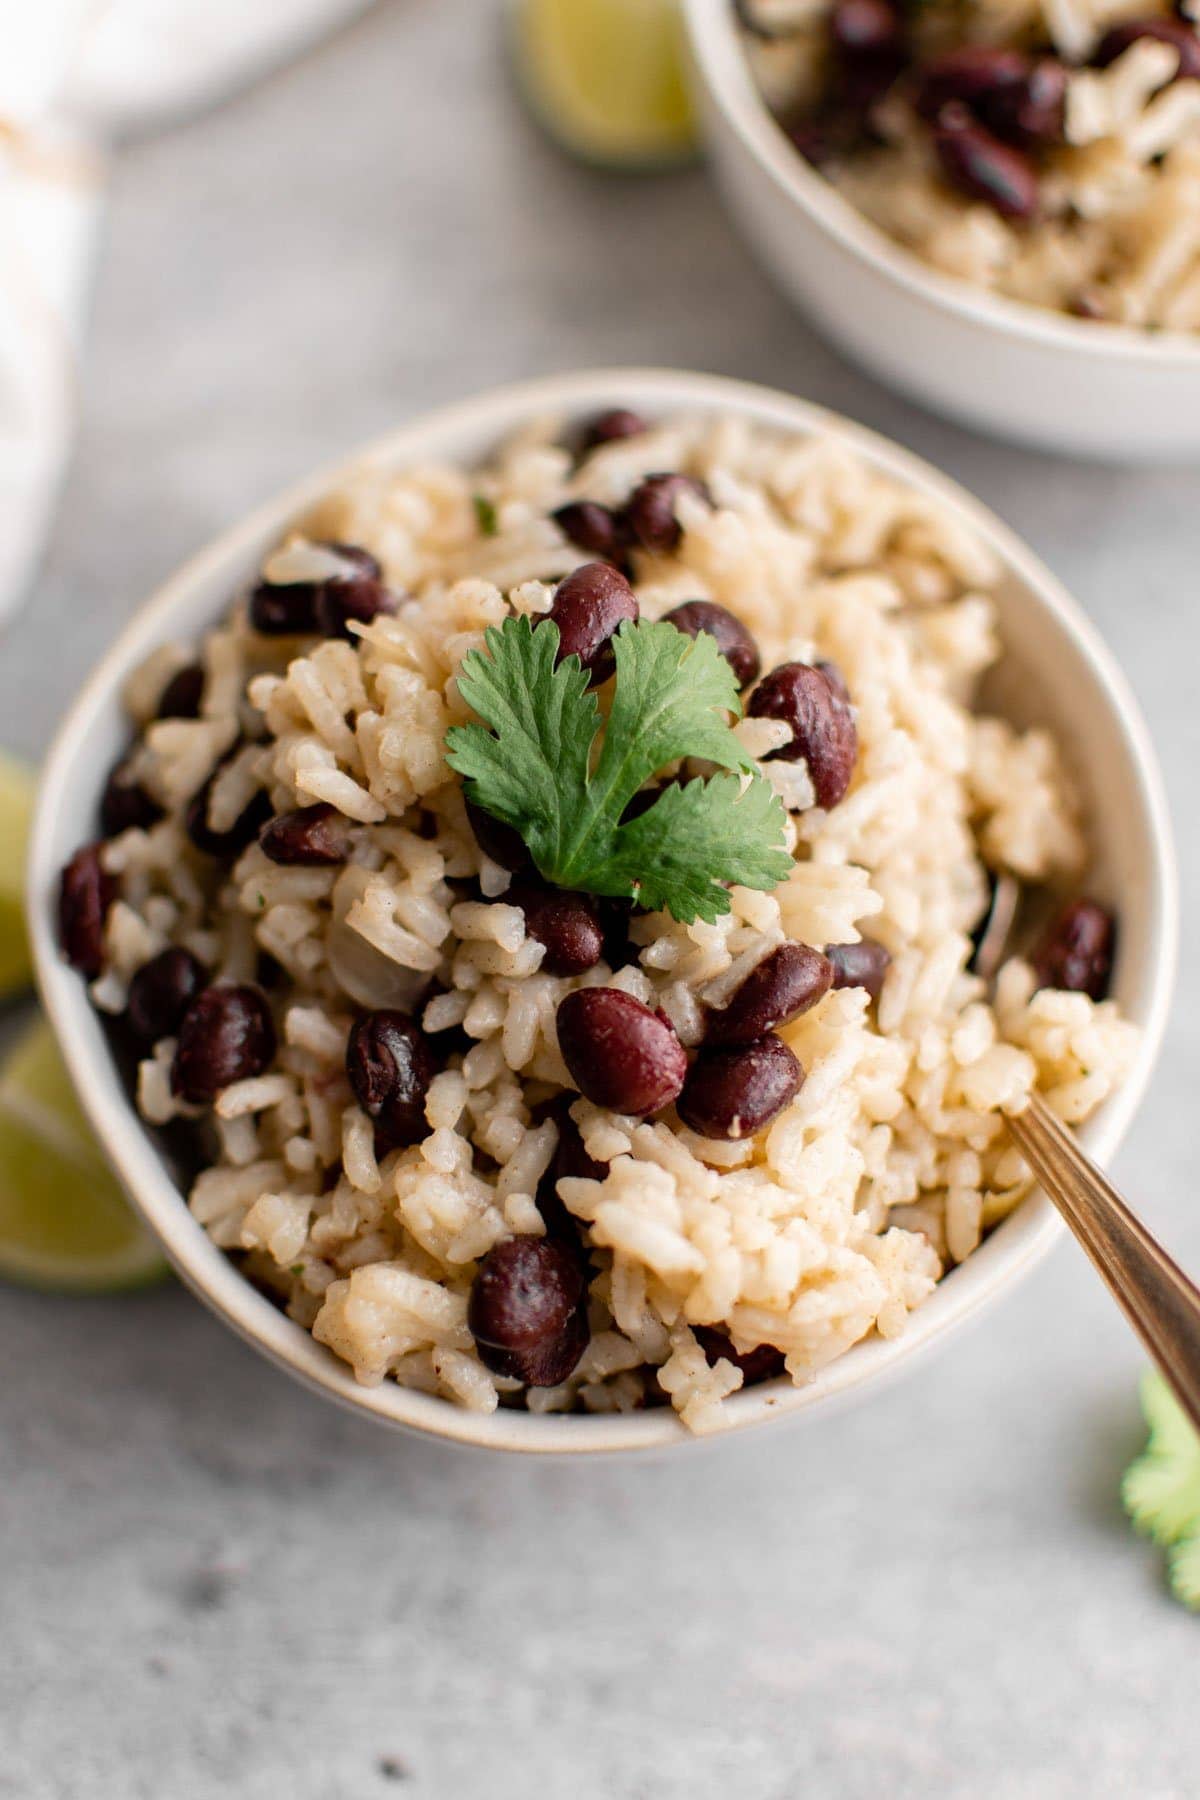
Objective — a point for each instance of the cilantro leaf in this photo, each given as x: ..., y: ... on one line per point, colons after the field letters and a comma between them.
x: 671, y: 698
x: 485, y: 515
x: 533, y: 769
x: 1161, y: 1489
x: 545, y: 721
x: 739, y: 832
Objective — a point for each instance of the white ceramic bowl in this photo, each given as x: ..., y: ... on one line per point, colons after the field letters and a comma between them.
x: 1019, y: 371
x: 1057, y: 669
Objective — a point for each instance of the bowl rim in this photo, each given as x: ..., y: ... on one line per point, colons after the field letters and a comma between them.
x: 1011, y: 1250
x: 718, y: 57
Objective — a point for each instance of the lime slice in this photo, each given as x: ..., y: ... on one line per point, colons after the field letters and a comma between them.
x: 16, y: 807
x: 606, y: 77
x: 64, y: 1222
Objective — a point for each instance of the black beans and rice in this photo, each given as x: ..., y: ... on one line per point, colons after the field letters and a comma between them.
x: 689, y: 1123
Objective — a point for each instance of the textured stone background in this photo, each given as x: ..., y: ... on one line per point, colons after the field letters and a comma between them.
x: 216, y: 1585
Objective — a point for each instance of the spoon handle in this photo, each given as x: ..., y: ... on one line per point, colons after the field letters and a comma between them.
x: 1157, y: 1298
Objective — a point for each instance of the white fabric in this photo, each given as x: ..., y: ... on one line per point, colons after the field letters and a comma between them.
x: 75, y: 74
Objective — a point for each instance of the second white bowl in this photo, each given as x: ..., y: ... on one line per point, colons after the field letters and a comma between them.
x: 1008, y: 368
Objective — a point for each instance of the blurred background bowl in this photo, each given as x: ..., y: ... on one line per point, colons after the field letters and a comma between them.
x: 1004, y: 367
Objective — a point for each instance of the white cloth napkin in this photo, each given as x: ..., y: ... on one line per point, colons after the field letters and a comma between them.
x: 74, y: 76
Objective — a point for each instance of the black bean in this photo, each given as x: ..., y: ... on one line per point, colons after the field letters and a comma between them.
x: 85, y: 894
x: 650, y: 510
x: 390, y: 1064
x: 161, y: 992
x: 824, y: 734
x: 971, y: 73
x: 360, y: 597
x: 865, y: 27
x: 502, y: 843
x: 183, y: 695
x: 570, y: 1161
x: 525, y: 1290
x: 343, y: 603
x: 763, y: 1363
x: 864, y: 965
x: 1076, y: 951
x: 784, y: 985
x: 568, y: 924
x: 869, y: 47
x: 243, y: 831
x: 607, y: 427
x: 815, y: 140
x: 594, y: 528
x: 983, y: 168
x: 311, y: 836
x: 570, y: 1158
x: 125, y: 805
x: 736, y: 1092
x: 653, y: 1393
x: 552, y: 1362
x: 227, y: 1034
x: 834, y: 677
x: 284, y: 608
x: 619, y: 1053
x: 615, y: 915
x: 269, y: 973
x: 841, y: 124
x: 1180, y: 34
x: 589, y: 604
x: 733, y: 640
x: 362, y: 561
x: 1032, y: 114
x: 300, y: 608
x: 527, y: 1310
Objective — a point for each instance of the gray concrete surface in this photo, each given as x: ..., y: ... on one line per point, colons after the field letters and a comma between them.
x: 216, y: 1585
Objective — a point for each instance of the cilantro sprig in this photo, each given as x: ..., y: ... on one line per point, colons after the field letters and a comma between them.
x: 1161, y: 1490
x: 533, y: 764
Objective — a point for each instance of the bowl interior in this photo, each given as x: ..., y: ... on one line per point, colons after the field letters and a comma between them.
x: 1055, y: 669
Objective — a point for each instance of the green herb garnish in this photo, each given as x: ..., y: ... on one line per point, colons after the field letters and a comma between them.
x: 536, y: 768
x: 1161, y: 1490
x: 485, y: 515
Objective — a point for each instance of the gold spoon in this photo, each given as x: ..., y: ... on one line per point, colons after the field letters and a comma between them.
x: 1157, y: 1298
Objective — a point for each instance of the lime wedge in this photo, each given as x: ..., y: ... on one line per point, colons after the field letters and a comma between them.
x: 606, y: 77
x: 16, y: 807
x: 64, y: 1222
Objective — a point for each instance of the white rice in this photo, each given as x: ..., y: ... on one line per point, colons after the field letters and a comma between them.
x: 892, y: 1160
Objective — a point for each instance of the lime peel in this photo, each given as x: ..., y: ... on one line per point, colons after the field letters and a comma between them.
x: 16, y: 811
x: 606, y: 78
x: 65, y: 1224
